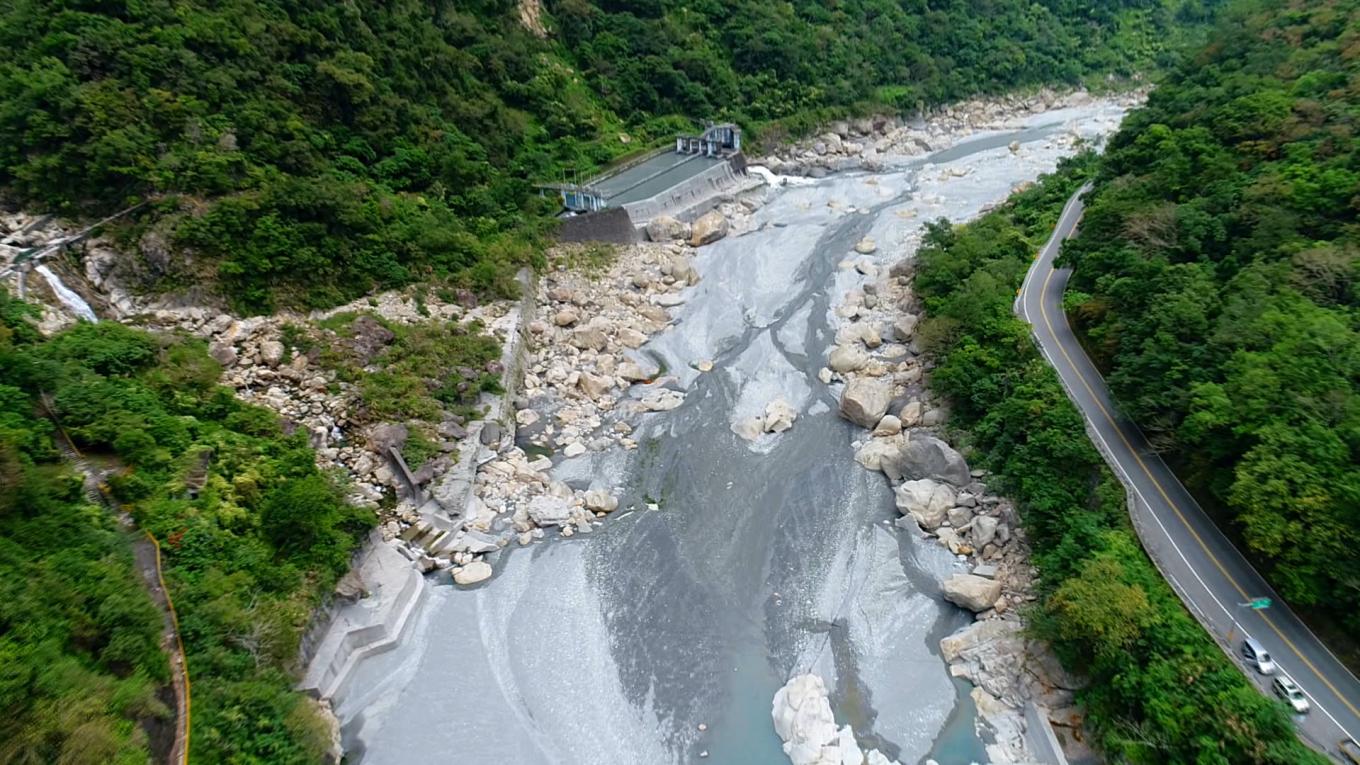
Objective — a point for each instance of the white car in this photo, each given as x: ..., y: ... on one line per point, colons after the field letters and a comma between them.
x: 1290, y: 692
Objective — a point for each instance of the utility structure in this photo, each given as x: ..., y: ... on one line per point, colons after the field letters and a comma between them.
x: 716, y: 141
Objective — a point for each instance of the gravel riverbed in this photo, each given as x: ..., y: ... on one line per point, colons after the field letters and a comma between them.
x: 748, y: 545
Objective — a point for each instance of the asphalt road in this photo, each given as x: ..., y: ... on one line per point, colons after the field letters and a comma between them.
x: 1213, y: 579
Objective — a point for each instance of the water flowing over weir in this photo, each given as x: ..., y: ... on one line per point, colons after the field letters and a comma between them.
x: 759, y: 560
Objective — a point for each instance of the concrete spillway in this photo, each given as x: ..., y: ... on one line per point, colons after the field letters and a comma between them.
x: 652, y: 176
x: 759, y: 560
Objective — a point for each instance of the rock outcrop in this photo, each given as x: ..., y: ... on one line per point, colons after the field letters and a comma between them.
x: 926, y: 501
x: 472, y: 573
x: 926, y: 456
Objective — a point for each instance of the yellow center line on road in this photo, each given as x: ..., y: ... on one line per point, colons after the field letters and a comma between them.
x: 1043, y: 312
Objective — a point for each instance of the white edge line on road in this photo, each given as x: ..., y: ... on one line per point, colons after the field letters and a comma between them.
x: 1128, y: 481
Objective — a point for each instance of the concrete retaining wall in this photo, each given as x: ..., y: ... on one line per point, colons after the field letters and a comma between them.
x: 369, y: 626
x: 1039, y: 735
x: 344, y: 635
x: 612, y: 224
x: 324, y: 616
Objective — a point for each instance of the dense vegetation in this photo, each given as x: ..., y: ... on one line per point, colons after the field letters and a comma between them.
x: 309, y: 151
x: 1218, y: 274
x: 252, y: 534
x: 80, y: 658
x: 422, y: 372
x: 1160, y: 690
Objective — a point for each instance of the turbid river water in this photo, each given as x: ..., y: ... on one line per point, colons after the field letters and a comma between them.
x: 760, y: 560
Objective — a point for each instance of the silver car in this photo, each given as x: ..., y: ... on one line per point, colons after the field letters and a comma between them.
x: 1256, y: 655
x: 1287, y: 690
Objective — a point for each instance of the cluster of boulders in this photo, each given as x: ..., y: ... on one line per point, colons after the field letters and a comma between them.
x: 777, y: 418
x: 730, y: 216
x: 876, y: 363
x: 1008, y: 670
x: 260, y: 365
x: 584, y: 384
x: 866, y: 142
x: 803, y: 719
x: 706, y: 229
x: 586, y: 373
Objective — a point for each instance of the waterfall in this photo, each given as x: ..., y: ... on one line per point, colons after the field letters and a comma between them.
x: 75, y: 303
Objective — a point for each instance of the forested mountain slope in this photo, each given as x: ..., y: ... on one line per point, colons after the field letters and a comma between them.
x: 1218, y: 280
x: 311, y: 151
x: 246, y: 556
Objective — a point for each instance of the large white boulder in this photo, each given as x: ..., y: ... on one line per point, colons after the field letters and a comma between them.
x: 709, y: 228
x: 890, y: 425
x: 904, y: 327
x: 872, y: 454
x: 682, y: 270
x: 224, y: 354
x: 595, y: 385
x: 974, y: 593
x: 803, y: 719
x: 549, y: 510
x: 472, y: 573
x: 590, y: 337
x: 865, y: 400
x: 634, y: 371
x: 848, y: 358
x: 271, y: 352
x: 779, y: 416
x: 664, y: 228
x: 601, y: 501
x: 662, y: 400
x: 984, y: 530
x: 926, y: 501
x: 859, y: 332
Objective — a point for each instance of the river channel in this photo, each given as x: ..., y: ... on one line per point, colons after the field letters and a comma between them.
x: 745, y: 562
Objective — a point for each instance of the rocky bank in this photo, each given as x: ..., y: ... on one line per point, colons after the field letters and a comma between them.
x: 879, y: 141
x: 879, y: 372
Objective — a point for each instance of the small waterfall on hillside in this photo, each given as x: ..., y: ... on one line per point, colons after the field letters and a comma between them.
x: 75, y: 303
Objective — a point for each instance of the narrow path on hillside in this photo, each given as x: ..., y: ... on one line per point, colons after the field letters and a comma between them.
x: 146, y: 554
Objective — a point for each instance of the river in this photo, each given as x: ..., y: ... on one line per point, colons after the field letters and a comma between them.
x: 751, y: 561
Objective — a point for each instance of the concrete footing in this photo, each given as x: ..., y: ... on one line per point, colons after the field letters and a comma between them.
x: 368, y: 626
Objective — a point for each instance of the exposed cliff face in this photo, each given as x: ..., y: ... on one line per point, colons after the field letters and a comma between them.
x: 531, y: 17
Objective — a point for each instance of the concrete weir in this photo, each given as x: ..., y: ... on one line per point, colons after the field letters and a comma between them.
x: 666, y: 181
